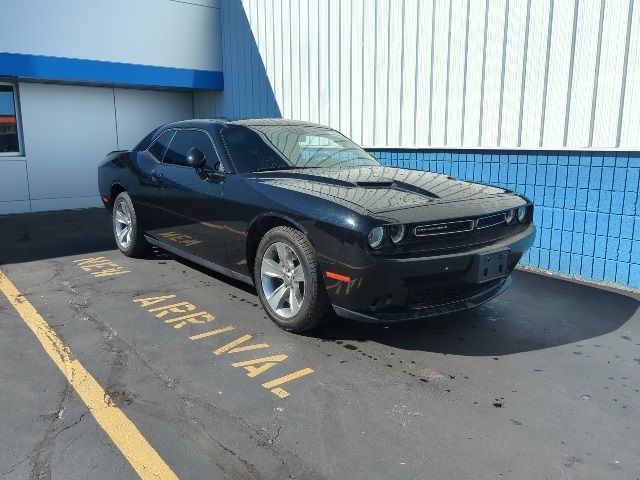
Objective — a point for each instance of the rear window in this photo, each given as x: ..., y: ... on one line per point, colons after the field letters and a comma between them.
x: 159, y: 147
x: 144, y: 143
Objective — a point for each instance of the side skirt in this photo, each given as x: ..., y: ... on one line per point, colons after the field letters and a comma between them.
x: 205, y: 263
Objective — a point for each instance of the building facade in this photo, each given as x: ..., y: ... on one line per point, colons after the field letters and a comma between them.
x: 542, y: 97
x: 80, y: 79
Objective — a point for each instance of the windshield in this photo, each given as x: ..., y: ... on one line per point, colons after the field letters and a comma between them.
x: 284, y: 147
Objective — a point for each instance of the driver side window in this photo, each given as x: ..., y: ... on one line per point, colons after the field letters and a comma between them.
x: 184, y: 140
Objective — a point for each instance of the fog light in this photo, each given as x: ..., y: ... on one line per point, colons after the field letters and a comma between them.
x: 397, y: 233
x: 522, y: 214
x: 510, y: 216
x: 376, y: 237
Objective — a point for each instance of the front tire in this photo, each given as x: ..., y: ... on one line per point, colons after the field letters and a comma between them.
x: 289, y: 281
x: 128, y: 236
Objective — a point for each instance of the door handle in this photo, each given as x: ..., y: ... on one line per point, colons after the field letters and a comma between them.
x: 156, y: 177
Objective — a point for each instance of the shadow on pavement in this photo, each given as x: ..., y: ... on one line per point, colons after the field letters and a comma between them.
x: 40, y: 236
x: 538, y: 312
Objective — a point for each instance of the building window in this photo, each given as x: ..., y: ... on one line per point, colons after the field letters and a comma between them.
x: 9, y: 121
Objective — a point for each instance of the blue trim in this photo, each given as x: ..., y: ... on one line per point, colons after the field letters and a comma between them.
x: 587, y: 205
x: 111, y: 73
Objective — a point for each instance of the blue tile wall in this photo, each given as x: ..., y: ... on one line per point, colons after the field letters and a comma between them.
x: 586, y: 203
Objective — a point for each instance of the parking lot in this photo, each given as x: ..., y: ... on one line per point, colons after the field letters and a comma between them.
x: 543, y: 382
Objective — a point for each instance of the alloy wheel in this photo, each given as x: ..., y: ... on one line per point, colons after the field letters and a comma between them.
x: 283, y: 280
x: 122, y: 224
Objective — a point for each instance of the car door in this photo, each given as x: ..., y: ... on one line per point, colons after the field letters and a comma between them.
x: 193, y: 199
x: 148, y: 195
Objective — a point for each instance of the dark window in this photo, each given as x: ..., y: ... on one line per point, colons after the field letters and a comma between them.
x: 274, y: 147
x: 184, y: 141
x: 159, y: 147
x: 249, y: 151
x: 9, y: 136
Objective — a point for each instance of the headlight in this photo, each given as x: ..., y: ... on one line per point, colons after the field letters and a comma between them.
x: 510, y: 216
x: 522, y: 213
x: 376, y: 237
x: 397, y: 233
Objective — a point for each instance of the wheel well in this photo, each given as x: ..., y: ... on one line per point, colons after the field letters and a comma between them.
x: 257, y: 230
x: 116, y: 189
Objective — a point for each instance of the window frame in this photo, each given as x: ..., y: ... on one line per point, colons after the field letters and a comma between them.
x: 16, y: 106
x: 177, y: 130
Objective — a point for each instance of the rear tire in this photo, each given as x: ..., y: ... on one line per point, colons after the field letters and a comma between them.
x: 128, y: 236
x: 289, y: 281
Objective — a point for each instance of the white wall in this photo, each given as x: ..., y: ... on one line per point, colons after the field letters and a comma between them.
x: 67, y: 130
x: 438, y: 73
x: 14, y: 187
x: 167, y: 33
x: 140, y: 111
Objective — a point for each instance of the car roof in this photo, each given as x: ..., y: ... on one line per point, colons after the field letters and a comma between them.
x: 273, y: 121
x: 207, y: 122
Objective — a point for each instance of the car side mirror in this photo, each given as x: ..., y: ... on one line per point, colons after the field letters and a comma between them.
x: 195, y: 158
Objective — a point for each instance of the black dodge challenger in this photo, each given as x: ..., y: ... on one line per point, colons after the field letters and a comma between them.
x: 314, y: 221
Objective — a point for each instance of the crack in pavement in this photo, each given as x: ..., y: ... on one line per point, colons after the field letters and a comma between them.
x: 294, y: 466
x: 13, y: 467
x: 41, y: 452
x: 73, y: 424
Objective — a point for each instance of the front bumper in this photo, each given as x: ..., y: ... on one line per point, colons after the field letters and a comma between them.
x: 390, y: 290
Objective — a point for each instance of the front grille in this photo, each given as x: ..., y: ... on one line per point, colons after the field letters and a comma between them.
x: 454, y: 243
x: 491, y: 221
x: 444, y: 228
x: 455, y: 236
x: 432, y: 295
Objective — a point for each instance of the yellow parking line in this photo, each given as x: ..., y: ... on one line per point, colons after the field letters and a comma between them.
x: 125, y: 435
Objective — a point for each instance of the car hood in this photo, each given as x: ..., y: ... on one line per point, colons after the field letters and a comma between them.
x: 382, y: 190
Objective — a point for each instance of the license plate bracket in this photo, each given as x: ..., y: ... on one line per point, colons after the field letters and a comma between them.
x: 489, y: 266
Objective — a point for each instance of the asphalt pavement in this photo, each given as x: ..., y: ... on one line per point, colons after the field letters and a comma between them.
x: 540, y: 383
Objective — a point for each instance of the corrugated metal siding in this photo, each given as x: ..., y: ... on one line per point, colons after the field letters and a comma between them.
x: 441, y: 73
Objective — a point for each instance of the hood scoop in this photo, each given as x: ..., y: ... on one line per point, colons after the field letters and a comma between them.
x: 407, y: 187
x: 383, y: 182
x: 369, y: 181
x: 396, y: 185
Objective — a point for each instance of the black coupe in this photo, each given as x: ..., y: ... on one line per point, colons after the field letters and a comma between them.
x: 314, y: 221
